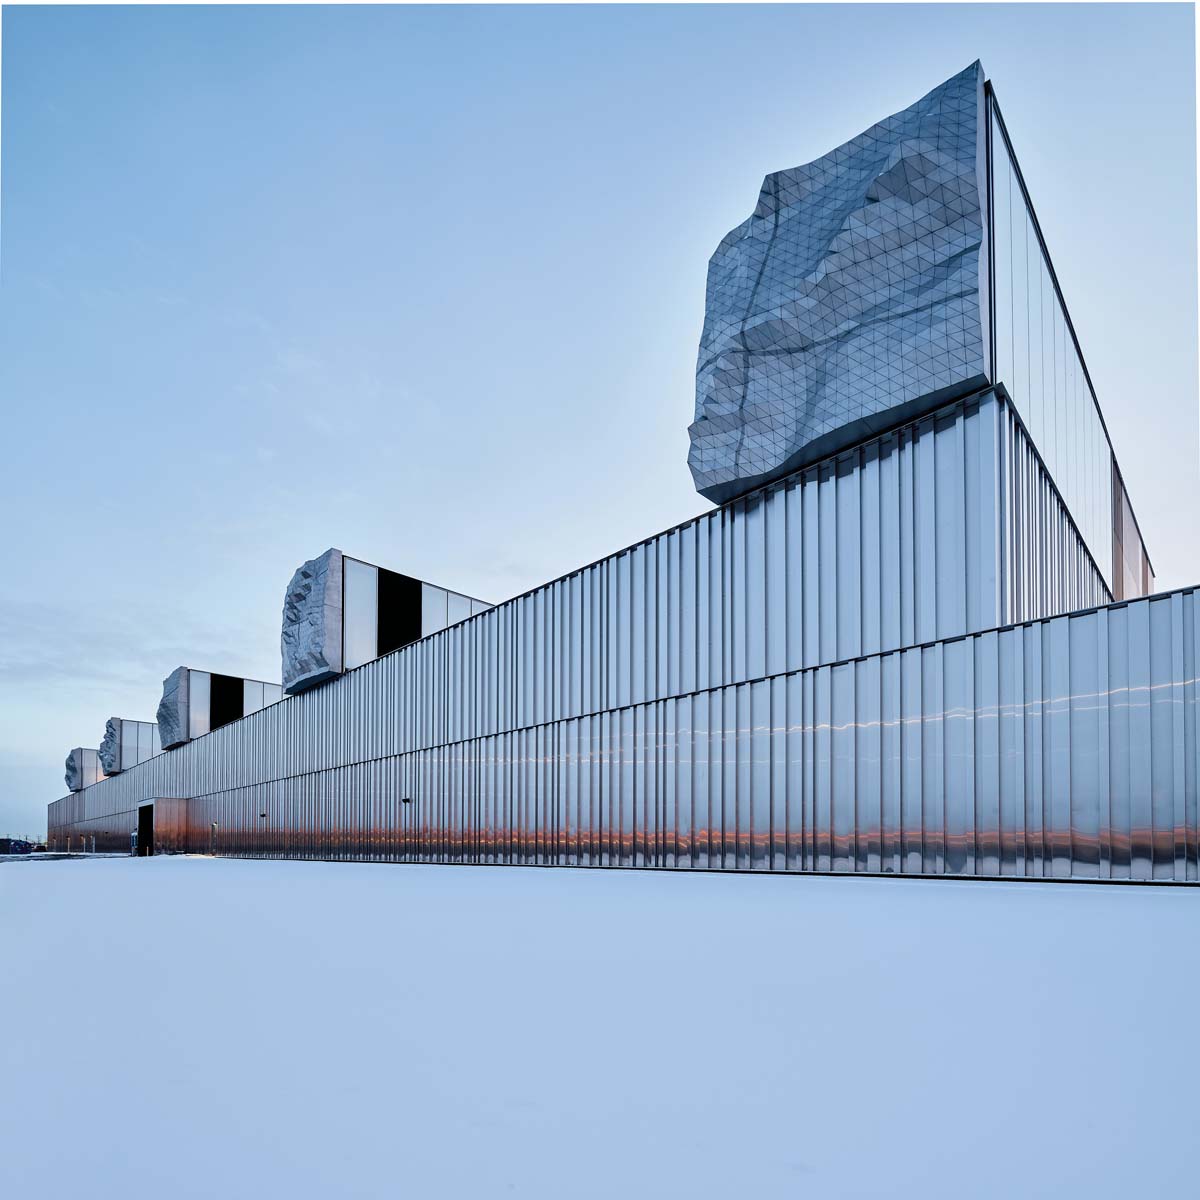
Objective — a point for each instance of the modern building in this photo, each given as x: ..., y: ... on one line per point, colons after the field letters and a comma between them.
x: 917, y: 635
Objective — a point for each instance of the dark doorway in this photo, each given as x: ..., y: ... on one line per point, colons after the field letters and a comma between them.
x: 226, y: 700
x: 399, y: 611
x: 145, y: 830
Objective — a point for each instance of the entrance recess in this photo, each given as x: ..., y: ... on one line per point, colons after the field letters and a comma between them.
x: 145, y: 842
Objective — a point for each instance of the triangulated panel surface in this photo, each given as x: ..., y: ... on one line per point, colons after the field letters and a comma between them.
x: 110, y: 747
x: 311, y: 639
x: 74, y: 771
x: 852, y: 299
x: 173, y: 709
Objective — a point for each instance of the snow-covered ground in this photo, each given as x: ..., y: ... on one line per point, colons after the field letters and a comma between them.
x: 188, y: 1027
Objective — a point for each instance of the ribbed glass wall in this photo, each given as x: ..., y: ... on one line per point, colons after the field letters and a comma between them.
x: 1038, y: 362
x: 923, y: 534
x: 1062, y: 748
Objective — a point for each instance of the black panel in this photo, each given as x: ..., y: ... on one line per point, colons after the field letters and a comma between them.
x: 399, y: 611
x: 227, y: 701
x: 145, y: 842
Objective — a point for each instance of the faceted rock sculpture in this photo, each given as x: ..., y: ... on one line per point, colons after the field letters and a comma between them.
x: 74, y: 773
x: 853, y: 299
x: 311, y: 639
x: 173, y: 710
x: 110, y: 747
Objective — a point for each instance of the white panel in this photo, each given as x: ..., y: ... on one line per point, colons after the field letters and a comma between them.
x: 433, y: 609
x: 361, y: 612
x: 458, y: 608
x: 199, y: 695
x: 252, y: 696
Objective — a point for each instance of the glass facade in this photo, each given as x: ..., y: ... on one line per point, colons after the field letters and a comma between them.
x: 360, y: 619
x: 1037, y: 360
x: 199, y: 703
x: 1132, y: 575
x: 1064, y: 748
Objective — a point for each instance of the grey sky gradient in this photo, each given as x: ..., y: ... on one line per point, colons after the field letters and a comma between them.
x: 427, y: 284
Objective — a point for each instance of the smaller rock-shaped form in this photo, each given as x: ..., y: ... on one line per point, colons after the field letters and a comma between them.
x: 311, y: 640
x: 173, y: 710
x: 74, y: 775
x: 110, y: 747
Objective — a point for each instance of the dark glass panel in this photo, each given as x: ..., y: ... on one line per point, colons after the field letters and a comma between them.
x: 226, y: 701
x: 399, y: 610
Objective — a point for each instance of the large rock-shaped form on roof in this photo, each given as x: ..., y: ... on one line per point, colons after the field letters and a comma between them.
x: 853, y: 299
x: 110, y: 747
x: 74, y: 773
x: 311, y: 640
x: 173, y: 710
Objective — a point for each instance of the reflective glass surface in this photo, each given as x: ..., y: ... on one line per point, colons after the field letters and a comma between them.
x: 458, y: 608
x: 252, y: 695
x: 360, y: 620
x: 199, y: 703
x: 1040, y: 366
x: 434, y: 608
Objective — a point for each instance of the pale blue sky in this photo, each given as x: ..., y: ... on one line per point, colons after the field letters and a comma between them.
x: 427, y: 284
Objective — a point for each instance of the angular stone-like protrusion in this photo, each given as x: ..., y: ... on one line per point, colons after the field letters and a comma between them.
x: 74, y: 774
x: 110, y: 746
x: 854, y: 297
x: 173, y: 710
x: 311, y: 640
x: 83, y: 769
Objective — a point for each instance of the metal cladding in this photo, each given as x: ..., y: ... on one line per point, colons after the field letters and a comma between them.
x: 1062, y: 748
x: 311, y: 640
x: 794, y: 681
x: 172, y: 715
x: 853, y: 298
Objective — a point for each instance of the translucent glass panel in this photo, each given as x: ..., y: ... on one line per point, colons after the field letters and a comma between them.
x: 148, y: 745
x: 1131, y: 568
x: 1037, y: 361
x: 434, y: 609
x: 458, y: 608
x: 139, y: 741
x: 252, y: 695
x: 360, y: 613
x: 440, y: 608
x: 199, y: 703
x: 130, y: 755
